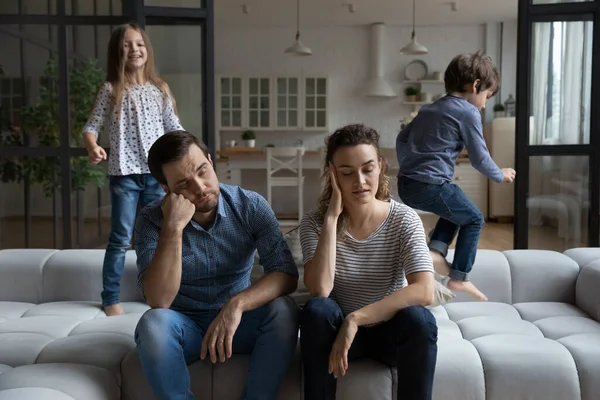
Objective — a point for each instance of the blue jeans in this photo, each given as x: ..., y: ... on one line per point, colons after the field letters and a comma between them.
x: 167, y: 341
x: 126, y: 192
x: 457, y: 214
x: 408, y: 342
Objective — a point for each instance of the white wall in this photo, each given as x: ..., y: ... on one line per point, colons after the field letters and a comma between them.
x: 509, y: 60
x: 343, y: 54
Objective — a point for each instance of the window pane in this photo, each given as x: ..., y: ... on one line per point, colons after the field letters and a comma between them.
x: 30, y: 197
x: 237, y: 118
x: 561, y: 82
x: 87, y: 7
x: 237, y: 102
x: 253, y: 85
x: 225, y: 103
x: 225, y: 86
x: 30, y: 102
x: 254, y: 102
x: 310, y: 119
x: 90, y: 204
x: 558, y: 202
x: 281, y: 85
x: 86, y: 48
x: 182, y: 70
x: 175, y: 3
x: 321, y: 86
x: 293, y: 118
x: 253, y: 118
x: 293, y: 85
x: 225, y: 121
x: 30, y: 7
x: 264, y: 118
x: 281, y: 118
x: 281, y: 102
x: 321, y: 120
x: 236, y: 86
x: 264, y: 102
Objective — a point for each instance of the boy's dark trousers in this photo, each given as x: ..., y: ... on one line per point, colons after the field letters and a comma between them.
x: 457, y: 214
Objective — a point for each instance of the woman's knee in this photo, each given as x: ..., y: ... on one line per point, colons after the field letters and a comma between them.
x: 320, y: 311
x: 417, y: 323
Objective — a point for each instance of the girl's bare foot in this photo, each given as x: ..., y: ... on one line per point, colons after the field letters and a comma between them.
x: 114, y: 309
x: 466, y: 287
x: 440, y: 264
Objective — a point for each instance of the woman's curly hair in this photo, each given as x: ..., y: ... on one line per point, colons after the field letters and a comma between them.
x: 351, y: 135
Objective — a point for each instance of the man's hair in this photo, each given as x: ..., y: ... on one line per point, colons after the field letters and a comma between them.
x: 171, y: 146
x: 464, y: 69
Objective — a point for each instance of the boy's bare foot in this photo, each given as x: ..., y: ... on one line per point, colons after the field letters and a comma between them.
x: 440, y: 264
x: 114, y: 309
x: 466, y: 287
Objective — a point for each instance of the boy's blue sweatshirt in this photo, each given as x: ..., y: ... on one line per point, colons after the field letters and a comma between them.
x: 427, y: 148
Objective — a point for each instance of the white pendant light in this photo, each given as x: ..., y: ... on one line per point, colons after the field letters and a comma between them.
x: 298, y: 48
x: 414, y: 47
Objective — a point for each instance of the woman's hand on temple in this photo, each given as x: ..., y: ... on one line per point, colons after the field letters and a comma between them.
x: 335, y: 203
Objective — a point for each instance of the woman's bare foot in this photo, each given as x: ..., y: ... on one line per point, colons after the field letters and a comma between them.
x: 466, y: 287
x: 440, y: 264
x: 114, y: 309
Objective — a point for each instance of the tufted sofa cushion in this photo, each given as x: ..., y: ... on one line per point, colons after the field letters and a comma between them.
x: 537, y: 337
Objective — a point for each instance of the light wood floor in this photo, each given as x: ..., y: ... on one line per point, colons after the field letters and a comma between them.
x: 495, y: 236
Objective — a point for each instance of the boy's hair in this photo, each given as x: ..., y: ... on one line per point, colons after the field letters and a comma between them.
x: 115, y: 66
x: 171, y: 146
x: 464, y: 69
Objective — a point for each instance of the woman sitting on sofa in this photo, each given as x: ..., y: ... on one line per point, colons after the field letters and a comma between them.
x: 368, y: 268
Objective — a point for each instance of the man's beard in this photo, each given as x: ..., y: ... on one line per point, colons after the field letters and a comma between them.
x: 207, y: 206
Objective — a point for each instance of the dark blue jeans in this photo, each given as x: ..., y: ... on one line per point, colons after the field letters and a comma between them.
x: 126, y: 192
x: 408, y: 341
x: 167, y: 341
x: 457, y: 214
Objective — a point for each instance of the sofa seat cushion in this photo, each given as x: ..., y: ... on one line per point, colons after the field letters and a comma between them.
x: 521, y: 366
x: 585, y: 350
x: 558, y: 341
x: 67, y: 332
x: 79, y: 382
x: 34, y: 393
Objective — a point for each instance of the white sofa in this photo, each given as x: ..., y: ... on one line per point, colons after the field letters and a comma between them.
x: 537, y: 338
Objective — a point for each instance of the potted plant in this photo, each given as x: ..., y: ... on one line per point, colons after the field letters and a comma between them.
x: 411, y: 93
x: 249, y: 137
x: 499, y: 110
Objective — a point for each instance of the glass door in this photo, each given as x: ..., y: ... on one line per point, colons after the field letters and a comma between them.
x: 557, y: 129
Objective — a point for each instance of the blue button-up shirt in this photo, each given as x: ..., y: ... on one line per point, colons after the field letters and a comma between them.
x: 217, y: 262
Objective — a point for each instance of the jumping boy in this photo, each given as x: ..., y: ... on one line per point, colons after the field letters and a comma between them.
x: 427, y: 149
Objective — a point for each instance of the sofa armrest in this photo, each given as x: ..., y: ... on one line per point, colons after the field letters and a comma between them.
x: 587, y: 293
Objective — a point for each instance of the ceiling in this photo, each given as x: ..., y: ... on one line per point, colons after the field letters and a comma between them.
x: 335, y: 13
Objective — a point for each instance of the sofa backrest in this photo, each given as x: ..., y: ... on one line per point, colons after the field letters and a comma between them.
x: 516, y: 276
x: 41, y: 276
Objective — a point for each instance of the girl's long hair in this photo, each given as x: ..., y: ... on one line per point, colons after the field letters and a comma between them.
x: 115, y: 67
x: 351, y: 135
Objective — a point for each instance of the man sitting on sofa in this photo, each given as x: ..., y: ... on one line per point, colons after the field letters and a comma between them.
x: 195, y: 252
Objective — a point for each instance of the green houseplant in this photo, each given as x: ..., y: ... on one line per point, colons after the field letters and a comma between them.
x: 499, y: 110
x: 41, y: 122
x: 411, y: 93
x: 249, y: 137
